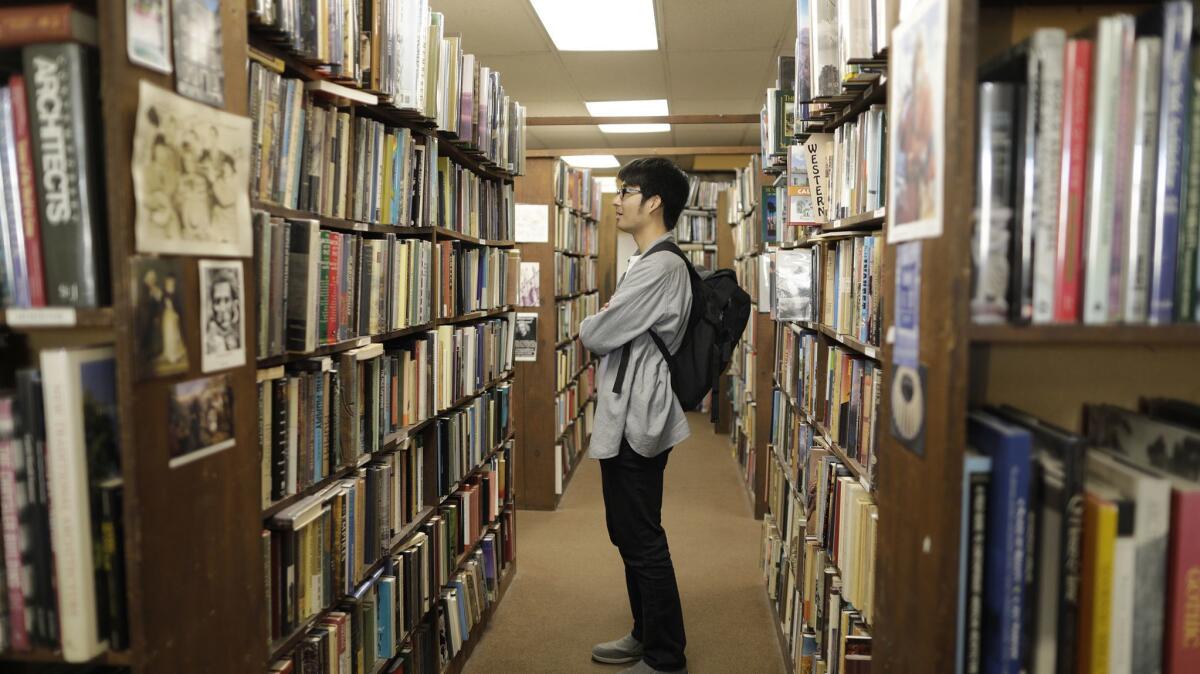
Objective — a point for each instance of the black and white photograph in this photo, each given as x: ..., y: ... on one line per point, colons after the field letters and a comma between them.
x: 199, y: 64
x: 529, y: 287
x: 525, y: 338
x: 159, y: 316
x: 794, y: 285
x: 222, y: 308
x: 148, y: 33
x: 199, y: 419
x: 190, y: 170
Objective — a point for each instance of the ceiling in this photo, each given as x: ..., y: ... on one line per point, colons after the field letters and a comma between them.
x: 714, y: 56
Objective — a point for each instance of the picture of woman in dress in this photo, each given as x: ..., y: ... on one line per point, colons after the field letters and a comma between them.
x: 158, y: 317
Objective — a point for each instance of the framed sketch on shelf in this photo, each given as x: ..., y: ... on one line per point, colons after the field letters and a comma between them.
x: 917, y: 143
x: 222, y: 312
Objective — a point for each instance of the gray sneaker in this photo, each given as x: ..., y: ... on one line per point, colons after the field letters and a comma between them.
x: 642, y: 668
x: 623, y: 650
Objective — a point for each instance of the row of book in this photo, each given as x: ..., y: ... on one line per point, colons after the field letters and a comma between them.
x: 744, y: 193
x: 1083, y: 213
x: 794, y: 283
x: 398, y: 48
x: 571, y: 443
x: 852, y: 288
x: 703, y: 192
x: 394, y: 173
x: 696, y: 227
x: 471, y: 358
x: 572, y: 312
x: 576, y: 189
x: 570, y: 358
x: 50, y: 178
x: 474, y: 278
x: 571, y: 401
x: 1078, y: 549
x: 61, y: 508
x: 573, y: 274
x: 321, y: 548
x: 858, y: 178
x: 777, y: 125
x: 318, y: 287
x: 466, y: 438
x: 575, y: 233
x: 468, y: 204
x: 701, y: 258
x: 828, y: 36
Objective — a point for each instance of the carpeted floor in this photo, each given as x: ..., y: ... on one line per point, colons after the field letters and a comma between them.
x: 570, y: 590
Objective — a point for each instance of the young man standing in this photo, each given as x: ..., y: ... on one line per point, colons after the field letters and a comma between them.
x: 637, y: 425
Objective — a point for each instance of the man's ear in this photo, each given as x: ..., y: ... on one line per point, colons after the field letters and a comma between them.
x: 654, y: 202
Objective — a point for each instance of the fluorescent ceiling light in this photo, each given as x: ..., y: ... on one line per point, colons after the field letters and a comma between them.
x: 648, y: 108
x: 599, y: 25
x: 592, y: 161
x: 634, y: 128
x: 607, y: 183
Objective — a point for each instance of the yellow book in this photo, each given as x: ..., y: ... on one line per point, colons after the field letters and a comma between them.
x: 385, y: 200
x: 1095, y: 605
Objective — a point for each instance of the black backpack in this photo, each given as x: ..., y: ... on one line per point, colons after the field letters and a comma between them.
x: 720, y: 309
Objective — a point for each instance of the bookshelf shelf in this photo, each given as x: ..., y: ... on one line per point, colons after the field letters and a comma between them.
x: 467, y: 238
x: 392, y: 440
x: 575, y: 419
x: 55, y: 318
x: 474, y: 316
x: 51, y: 656
x: 563, y: 298
x: 855, y: 468
x: 575, y: 377
x: 341, y: 224
x: 871, y: 220
x: 1099, y: 335
x: 861, y: 348
x: 857, y: 95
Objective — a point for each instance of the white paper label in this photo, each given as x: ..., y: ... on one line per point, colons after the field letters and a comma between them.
x: 41, y: 317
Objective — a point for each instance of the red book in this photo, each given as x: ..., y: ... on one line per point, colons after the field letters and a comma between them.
x: 335, y: 265
x: 1182, y: 638
x: 1068, y: 264
x: 57, y: 22
x: 29, y: 205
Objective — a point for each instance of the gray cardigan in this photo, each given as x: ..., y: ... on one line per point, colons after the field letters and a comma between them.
x: 655, y: 293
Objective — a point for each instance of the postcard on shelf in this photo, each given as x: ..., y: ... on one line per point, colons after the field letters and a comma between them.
x: 525, y: 338
x: 160, y: 316
x: 529, y: 293
x: 199, y: 419
x: 917, y: 146
x: 222, y: 306
x: 908, y: 304
x: 190, y: 170
x: 148, y: 33
x: 794, y: 285
x: 199, y: 60
x: 532, y: 223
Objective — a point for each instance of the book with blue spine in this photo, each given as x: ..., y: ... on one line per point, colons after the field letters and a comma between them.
x: 1172, y: 148
x: 386, y: 601
x: 1010, y: 448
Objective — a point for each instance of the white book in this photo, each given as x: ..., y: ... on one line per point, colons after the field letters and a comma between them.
x: 73, y: 378
x: 1114, y: 49
x: 826, y: 74
x: 1139, y: 235
x: 1046, y: 73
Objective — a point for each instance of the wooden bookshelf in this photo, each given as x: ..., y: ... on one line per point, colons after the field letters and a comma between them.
x: 535, y: 387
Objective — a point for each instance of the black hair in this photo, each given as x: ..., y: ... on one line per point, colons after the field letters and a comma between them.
x: 658, y: 177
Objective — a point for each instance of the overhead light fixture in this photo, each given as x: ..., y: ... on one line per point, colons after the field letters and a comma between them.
x: 599, y: 25
x: 634, y: 128
x: 591, y: 160
x: 655, y: 107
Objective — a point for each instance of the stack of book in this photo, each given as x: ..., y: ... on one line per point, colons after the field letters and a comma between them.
x: 697, y: 226
x: 471, y: 205
x: 576, y: 232
x: 574, y: 188
x: 572, y: 312
x: 858, y: 177
x: 1085, y: 217
x: 703, y: 192
x: 470, y: 358
x: 573, y: 274
x: 851, y: 290
x: 472, y: 278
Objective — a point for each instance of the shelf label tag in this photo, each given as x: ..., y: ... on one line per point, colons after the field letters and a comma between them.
x: 41, y: 317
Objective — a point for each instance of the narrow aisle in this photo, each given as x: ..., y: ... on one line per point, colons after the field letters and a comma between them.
x: 570, y: 587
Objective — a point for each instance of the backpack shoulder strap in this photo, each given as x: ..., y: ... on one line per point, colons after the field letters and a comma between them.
x: 670, y: 246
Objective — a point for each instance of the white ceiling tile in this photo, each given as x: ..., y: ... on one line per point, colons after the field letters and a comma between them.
x: 710, y: 134
x: 533, y: 77
x: 560, y: 108
x: 495, y: 26
x: 729, y: 74
x: 639, y: 139
x: 572, y: 136
x: 617, y: 76
x: 721, y: 25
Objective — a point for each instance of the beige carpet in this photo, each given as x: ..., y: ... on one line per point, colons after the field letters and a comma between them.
x: 570, y: 587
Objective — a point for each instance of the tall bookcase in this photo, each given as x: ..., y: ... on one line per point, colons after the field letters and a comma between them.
x: 559, y: 384
x: 197, y: 538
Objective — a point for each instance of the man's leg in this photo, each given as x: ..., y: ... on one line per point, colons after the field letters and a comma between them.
x: 636, y: 527
x: 616, y: 510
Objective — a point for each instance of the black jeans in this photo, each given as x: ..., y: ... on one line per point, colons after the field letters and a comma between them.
x: 633, y: 489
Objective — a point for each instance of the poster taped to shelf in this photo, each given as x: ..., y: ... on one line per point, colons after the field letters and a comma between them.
x: 148, y: 33
x: 199, y: 60
x: 908, y: 408
x: 190, y: 168
x: 529, y: 293
x: 794, y: 285
x: 222, y: 306
x: 199, y: 419
x: 908, y: 304
x: 160, y: 314
x: 532, y: 223
x: 525, y: 339
x: 916, y: 173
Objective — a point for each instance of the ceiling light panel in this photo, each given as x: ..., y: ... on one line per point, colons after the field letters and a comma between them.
x: 635, y: 128
x: 656, y: 107
x: 599, y: 25
x: 592, y: 160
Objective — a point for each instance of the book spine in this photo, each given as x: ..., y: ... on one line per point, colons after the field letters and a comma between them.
x: 26, y: 180
x: 1189, y: 233
x: 993, y: 219
x: 1183, y: 569
x: 298, y: 299
x: 324, y: 294
x: 1045, y: 75
x: 63, y: 125
x: 1140, y: 224
x: 10, y: 528
x: 333, y: 324
x: 1172, y: 149
x: 1068, y: 260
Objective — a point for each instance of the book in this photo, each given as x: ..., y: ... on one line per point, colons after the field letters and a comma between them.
x: 81, y: 435
x: 1096, y: 588
x: 50, y: 22
x: 998, y: 106
x: 1068, y: 264
x: 969, y: 649
x: 1189, y: 227
x: 12, y: 462
x: 1135, y: 291
x: 1041, y: 186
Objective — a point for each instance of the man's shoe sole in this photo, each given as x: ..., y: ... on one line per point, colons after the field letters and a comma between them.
x: 616, y: 661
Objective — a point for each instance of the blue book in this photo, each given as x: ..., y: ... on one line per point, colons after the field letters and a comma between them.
x: 1172, y: 148
x: 977, y: 469
x: 462, y: 609
x: 385, y: 641
x: 1011, y: 450
x: 318, y: 426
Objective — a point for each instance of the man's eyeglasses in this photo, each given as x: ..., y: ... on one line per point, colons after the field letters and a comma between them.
x: 625, y: 190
